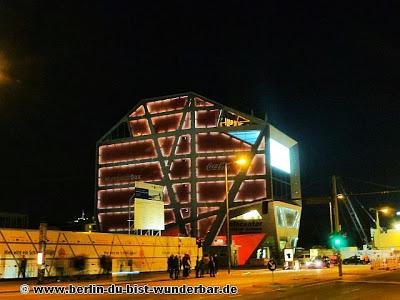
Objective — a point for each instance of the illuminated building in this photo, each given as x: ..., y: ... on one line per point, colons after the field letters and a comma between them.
x: 183, y: 142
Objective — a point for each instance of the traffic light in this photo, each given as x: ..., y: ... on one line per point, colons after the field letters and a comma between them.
x: 199, y: 243
x: 337, y: 240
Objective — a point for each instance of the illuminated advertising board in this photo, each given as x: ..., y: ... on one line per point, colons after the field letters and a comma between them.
x: 280, y: 156
x: 149, y: 214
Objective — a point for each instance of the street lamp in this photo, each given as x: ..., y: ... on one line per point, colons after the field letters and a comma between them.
x: 341, y: 196
x: 383, y: 210
x: 241, y: 162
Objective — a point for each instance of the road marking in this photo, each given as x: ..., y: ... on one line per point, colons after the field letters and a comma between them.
x: 373, y: 281
x: 246, y: 273
x: 319, y: 283
x: 350, y: 291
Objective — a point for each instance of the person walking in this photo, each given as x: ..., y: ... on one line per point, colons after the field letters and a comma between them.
x: 175, y: 266
x: 206, y: 260
x: 197, y: 267
x: 102, y: 263
x: 211, y: 266
x: 170, y: 265
x: 216, y: 263
x: 202, y: 267
x: 60, y: 268
x: 22, y: 266
x: 186, y: 265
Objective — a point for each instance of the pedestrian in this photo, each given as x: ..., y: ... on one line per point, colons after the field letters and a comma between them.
x: 197, y: 267
x: 170, y: 263
x: 103, y: 264
x: 206, y: 260
x: 235, y: 262
x: 59, y: 268
x: 186, y: 265
x: 180, y: 264
x: 211, y: 266
x: 22, y: 267
x: 216, y: 263
x: 108, y: 265
x: 175, y: 266
x: 202, y: 267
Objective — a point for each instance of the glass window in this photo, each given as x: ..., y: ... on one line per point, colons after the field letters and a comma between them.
x: 280, y: 216
x: 287, y: 217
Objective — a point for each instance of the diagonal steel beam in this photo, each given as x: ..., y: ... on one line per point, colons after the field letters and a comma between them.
x: 165, y: 171
x: 166, y: 180
x: 216, y: 226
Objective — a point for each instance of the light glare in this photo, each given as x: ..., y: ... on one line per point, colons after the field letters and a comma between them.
x: 241, y: 161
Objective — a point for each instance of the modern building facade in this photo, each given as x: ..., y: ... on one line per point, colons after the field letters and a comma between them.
x: 183, y: 142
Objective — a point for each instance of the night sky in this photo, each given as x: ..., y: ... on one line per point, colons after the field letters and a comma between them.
x: 326, y: 74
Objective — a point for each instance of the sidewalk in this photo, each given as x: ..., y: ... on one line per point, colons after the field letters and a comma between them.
x: 12, y: 285
x: 245, y: 278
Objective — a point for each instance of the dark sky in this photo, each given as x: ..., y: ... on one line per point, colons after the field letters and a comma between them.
x: 327, y: 74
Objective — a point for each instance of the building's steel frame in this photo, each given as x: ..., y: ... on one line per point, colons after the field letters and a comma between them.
x: 190, y: 108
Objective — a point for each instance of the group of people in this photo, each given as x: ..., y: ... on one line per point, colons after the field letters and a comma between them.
x: 204, y: 265
x: 175, y: 265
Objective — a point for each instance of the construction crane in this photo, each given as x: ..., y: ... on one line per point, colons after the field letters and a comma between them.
x: 352, y: 213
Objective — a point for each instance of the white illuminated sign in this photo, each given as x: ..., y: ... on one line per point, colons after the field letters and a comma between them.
x: 40, y: 258
x: 280, y: 156
x: 149, y: 214
x: 288, y: 253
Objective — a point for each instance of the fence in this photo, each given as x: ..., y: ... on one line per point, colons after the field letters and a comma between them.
x: 127, y: 252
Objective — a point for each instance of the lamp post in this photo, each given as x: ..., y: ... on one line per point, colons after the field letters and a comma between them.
x: 384, y: 210
x: 338, y: 228
x: 241, y: 161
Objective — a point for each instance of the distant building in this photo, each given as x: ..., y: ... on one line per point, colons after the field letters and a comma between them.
x: 81, y: 223
x: 182, y: 142
x: 388, y: 239
x: 13, y: 220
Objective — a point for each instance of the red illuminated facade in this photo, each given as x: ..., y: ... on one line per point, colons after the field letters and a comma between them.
x: 183, y: 142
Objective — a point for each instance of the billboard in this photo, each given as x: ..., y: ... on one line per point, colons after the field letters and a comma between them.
x: 280, y: 156
x: 149, y: 214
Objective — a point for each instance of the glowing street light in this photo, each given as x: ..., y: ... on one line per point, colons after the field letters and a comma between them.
x: 241, y: 162
x: 383, y: 210
x: 341, y: 196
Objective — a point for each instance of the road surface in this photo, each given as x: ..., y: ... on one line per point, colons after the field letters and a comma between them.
x: 358, y: 282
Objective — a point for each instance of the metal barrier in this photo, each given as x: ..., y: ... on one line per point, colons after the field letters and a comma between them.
x: 377, y: 264
x: 385, y: 264
x: 391, y: 264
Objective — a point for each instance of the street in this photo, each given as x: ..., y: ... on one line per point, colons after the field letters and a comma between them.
x: 358, y: 282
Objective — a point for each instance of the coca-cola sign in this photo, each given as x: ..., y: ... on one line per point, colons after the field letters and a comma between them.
x: 213, y: 166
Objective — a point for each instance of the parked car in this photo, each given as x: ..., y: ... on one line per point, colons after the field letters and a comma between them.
x: 318, y: 263
x: 353, y: 260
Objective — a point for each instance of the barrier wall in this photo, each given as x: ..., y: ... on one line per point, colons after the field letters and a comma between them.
x: 146, y: 253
